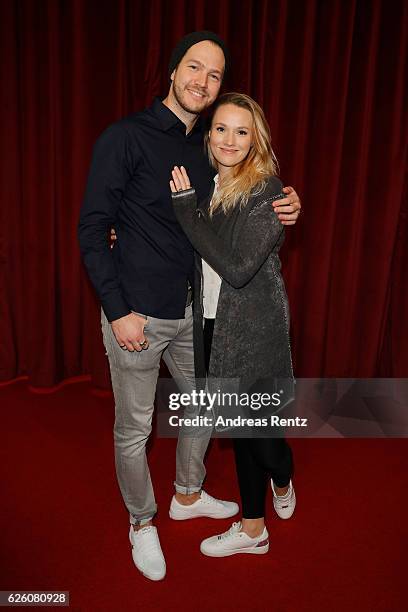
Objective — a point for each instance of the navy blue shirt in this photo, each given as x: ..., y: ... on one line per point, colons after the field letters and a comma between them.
x: 128, y: 188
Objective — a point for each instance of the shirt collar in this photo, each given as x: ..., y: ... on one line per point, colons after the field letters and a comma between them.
x: 168, y: 119
x: 214, y: 190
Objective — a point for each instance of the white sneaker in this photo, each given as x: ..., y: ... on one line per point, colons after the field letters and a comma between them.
x: 284, y: 504
x: 235, y: 541
x: 147, y: 553
x: 206, y: 505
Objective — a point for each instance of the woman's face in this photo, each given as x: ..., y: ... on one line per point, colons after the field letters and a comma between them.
x: 231, y: 135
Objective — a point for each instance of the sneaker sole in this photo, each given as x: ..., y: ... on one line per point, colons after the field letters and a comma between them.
x: 262, y: 550
x: 185, y: 518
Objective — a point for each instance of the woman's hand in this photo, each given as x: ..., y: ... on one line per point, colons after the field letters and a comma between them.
x: 180, y: 180
x: 288, y: 209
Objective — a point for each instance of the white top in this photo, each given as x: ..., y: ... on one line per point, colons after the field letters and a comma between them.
x: 211, y: 282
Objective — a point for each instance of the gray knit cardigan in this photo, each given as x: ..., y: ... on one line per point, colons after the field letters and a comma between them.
x: 251, y: 332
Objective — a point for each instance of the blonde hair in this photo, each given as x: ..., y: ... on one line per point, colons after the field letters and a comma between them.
x: 249, y: 176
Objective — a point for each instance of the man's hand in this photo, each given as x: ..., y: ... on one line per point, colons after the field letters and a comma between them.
x: 113, y: 237
x: 129, y: 333
x: 288, y: 209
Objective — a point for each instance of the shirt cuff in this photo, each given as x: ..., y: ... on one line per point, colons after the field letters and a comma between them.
x: 115, y: 307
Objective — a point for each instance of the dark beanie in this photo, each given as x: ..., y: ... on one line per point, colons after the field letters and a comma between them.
x: 191, y: 39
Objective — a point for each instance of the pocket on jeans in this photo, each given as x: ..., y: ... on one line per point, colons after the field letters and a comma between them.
x: 140, y: 314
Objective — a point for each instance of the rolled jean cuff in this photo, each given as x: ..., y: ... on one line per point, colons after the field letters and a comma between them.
x: 187, y: 490
x: 139, y: 522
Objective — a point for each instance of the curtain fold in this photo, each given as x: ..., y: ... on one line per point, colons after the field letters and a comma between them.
x: 332, y: 79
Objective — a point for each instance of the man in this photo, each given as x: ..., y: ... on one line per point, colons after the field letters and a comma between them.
x: 143, y: 283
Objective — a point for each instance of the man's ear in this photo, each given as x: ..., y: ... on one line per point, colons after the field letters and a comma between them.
x: 172, y: 75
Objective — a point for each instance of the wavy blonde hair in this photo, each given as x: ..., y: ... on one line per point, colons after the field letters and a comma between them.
x: 249, y: 176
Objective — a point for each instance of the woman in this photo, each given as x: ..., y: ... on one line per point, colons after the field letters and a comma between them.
x: 243, y: 300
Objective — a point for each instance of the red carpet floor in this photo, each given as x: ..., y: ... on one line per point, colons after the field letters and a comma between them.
x: 63, y: 525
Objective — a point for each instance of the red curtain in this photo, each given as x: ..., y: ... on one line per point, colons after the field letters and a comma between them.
x: 331, y: 76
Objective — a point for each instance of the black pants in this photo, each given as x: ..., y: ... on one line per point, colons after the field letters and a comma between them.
x: 256, y: 459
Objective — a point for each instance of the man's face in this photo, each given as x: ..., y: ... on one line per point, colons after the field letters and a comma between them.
x: 197, y: 78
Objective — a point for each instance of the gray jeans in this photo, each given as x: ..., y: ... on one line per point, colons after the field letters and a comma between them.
x: 134, y: 378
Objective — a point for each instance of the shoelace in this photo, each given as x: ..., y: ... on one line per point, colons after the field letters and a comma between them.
x: 208, y: 499
x: 148, y: 544
x: 235, y: 528
x: 283, y: 500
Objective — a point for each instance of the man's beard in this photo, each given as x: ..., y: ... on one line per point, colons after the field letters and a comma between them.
x: 178, y: 94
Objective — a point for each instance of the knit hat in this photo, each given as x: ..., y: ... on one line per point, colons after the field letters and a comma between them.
x: 191, y: 39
